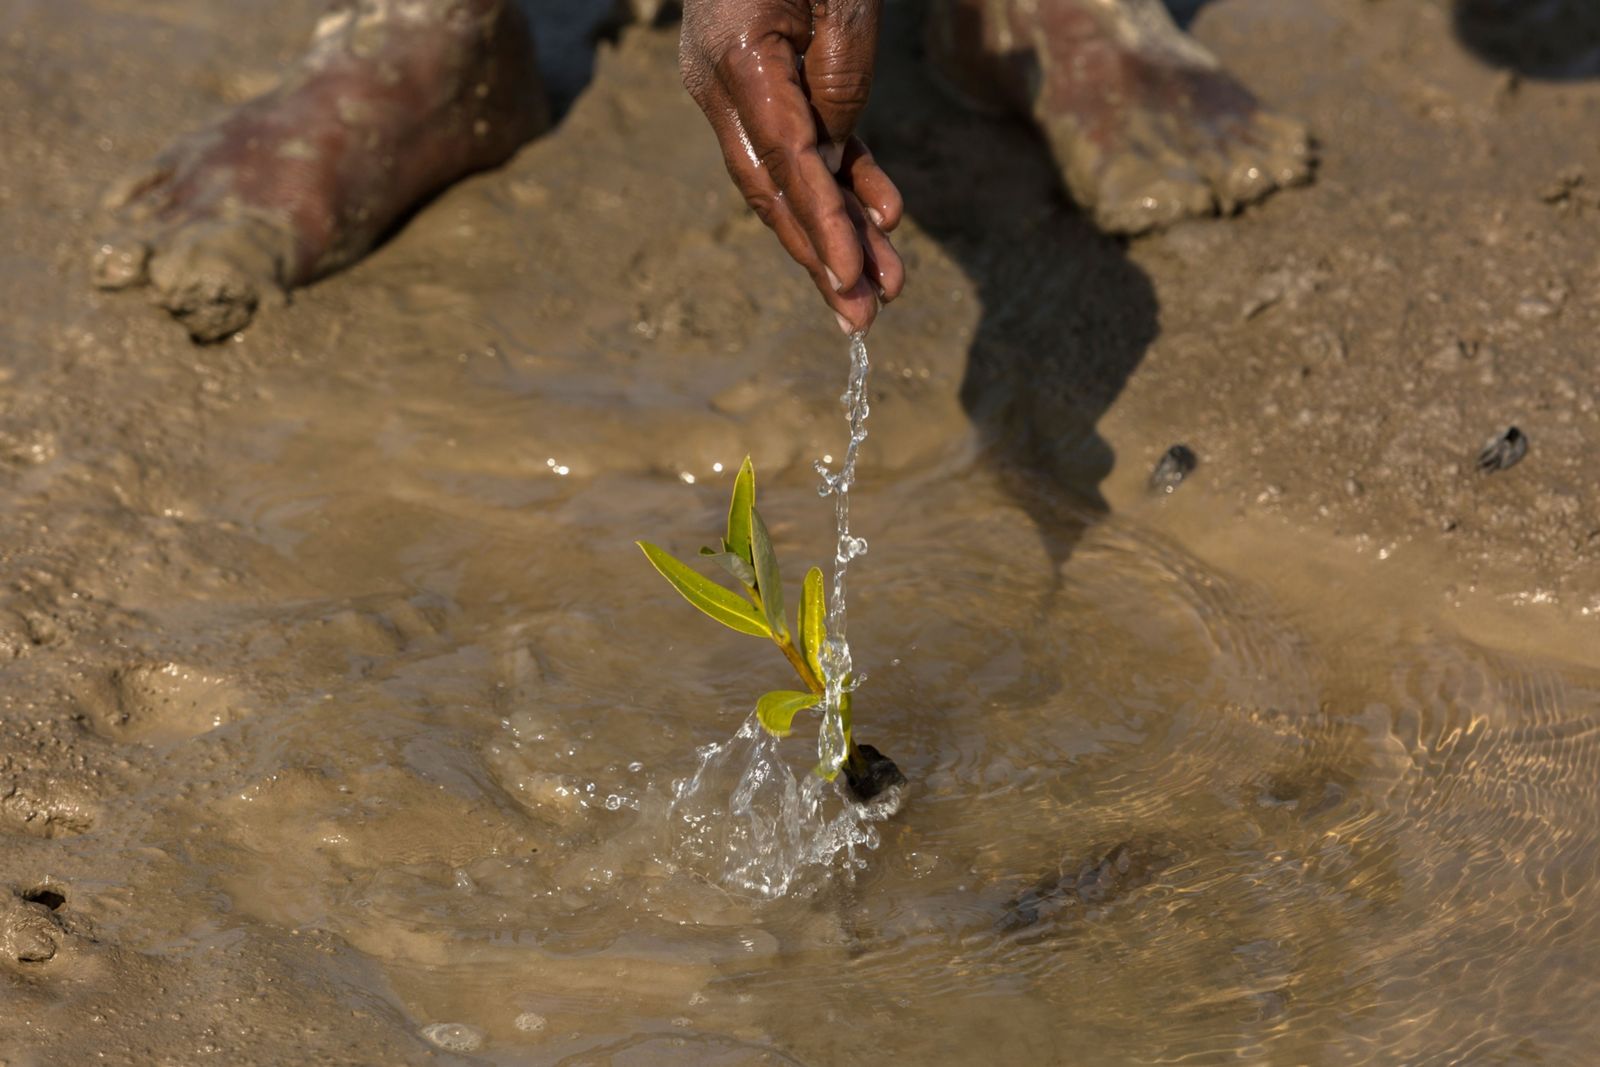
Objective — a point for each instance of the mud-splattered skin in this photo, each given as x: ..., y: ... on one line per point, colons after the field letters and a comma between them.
x: 398, y: 98
x: 1143, y: 123
x: 393, y: 101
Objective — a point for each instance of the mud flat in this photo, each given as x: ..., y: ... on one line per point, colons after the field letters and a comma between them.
x: 338, y: 718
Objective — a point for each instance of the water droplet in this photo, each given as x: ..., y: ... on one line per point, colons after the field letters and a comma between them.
x: 530, y: 1022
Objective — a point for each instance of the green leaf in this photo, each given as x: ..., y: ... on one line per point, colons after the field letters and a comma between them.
x: 731, y: 563
x: 722, y: 604
x: 776, y: 710
x: 744, y: 499
x: 813, y: 620
x: 768, y: 582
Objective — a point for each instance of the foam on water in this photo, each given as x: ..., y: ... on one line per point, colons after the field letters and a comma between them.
x: 455, y: 1037
x: 530, y: 1022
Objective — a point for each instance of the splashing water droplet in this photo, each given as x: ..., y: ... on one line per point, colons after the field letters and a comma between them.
x: 745, y: 815
x: 744, y: 811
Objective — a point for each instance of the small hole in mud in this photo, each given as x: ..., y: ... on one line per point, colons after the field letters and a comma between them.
x: 50, y: 898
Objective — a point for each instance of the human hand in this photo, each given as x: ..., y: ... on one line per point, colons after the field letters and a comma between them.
x: 783, y: 83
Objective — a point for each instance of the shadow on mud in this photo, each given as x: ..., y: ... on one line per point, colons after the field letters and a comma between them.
x: 1554, y: 40
x: 1066, y: 316
x: 1550, y: 40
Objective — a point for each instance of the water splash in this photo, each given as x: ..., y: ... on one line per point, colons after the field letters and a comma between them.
x: 747, y: 821
x: 837, y: 667
x: 774, y: 827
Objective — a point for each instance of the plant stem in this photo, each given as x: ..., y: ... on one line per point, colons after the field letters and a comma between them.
x: 853, y: 759
x: 801, y: 667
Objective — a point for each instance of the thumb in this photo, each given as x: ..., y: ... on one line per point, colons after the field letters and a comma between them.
x: 838, y: 67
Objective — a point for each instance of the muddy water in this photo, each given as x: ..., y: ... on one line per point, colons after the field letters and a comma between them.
x: 1156, y: 811
x: 342, y: 721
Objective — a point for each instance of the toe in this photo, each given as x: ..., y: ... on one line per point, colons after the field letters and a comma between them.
x: 210, y: 296
x: 1136, y: 194
x: 1287, y: 155
x: 213, y: 276
x: 1259, y: 155
x: 120, y: 262
x: 139, y: 194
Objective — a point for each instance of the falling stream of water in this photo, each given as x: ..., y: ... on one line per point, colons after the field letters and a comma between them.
x: 744, y: 811
x: 832, y: 742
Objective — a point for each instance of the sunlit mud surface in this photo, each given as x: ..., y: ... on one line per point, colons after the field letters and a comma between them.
x: 341, y: 722
x: 1152, y: 810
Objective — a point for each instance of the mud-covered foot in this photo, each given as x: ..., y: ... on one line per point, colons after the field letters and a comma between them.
x: 394, y: 100
x: 1145, y: 125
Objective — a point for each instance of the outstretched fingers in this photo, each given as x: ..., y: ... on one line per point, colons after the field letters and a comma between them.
x: 877, y: 193
x: 883, y: 267
x: 783, y: 83
x: 763, y: 83
x: 855, y: 305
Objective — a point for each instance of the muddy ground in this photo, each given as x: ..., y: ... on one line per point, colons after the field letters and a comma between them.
x: 460, y: 436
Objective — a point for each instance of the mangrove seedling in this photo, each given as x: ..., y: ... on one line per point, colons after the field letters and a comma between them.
x: 757, y: 608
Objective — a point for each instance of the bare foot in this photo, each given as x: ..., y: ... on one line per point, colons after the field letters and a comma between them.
x: 1145, y: 125
x: 393, y: 101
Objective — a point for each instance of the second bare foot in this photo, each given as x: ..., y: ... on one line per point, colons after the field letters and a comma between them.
x: 392, y: 102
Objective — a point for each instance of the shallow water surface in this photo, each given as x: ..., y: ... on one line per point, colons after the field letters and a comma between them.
x: 344, y: 723
x: 1155, y: 815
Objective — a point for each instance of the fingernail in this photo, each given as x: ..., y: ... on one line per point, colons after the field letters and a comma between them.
x: 833, y: 279
x: 832, y: 155
x: 844, y: 324
x: 876, y: 216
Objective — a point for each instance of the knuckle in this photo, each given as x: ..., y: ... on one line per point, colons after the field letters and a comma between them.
x: 693, y: 69
x: 775, y: 161
x: 842, y: 88
x: 765, y: 205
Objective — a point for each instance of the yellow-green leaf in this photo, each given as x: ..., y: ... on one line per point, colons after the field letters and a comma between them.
x: 768, y: 582
x: 738, y: 568
x: 813, y: 620
x: 722, y: 604
x: 744, y: 499
x: 776, y: 710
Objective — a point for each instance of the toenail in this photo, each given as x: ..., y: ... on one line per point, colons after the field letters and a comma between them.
x: 117, y: 266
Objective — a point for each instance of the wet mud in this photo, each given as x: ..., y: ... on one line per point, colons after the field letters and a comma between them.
x: 340, y: 719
